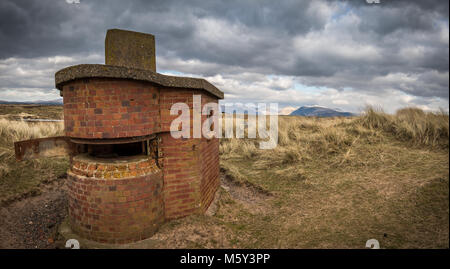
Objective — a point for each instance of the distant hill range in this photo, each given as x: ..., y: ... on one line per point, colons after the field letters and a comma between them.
x: 319, y: 111
x: 56, y: 102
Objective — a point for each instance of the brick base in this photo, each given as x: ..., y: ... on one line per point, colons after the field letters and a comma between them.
x: 117, y: 201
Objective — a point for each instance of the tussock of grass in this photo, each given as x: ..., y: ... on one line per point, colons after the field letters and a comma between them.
x: 410, y: 125
x: 11, y: 131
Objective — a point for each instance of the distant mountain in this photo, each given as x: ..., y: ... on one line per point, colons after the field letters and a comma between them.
x: 318, y: 111
x: 56, y: 102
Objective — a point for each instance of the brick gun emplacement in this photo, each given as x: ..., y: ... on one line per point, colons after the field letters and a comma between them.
x: 127, y: 173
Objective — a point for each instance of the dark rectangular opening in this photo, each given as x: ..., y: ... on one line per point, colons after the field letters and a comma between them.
x: 116, y: 150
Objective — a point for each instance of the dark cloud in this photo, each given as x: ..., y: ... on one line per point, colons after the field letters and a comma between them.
x: 38, y: 28
x: 397, y: 45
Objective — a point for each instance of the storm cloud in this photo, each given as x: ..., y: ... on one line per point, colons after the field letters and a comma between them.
x: 335, y: 53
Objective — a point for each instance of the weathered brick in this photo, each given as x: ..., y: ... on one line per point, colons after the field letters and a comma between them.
x: 82, y: 216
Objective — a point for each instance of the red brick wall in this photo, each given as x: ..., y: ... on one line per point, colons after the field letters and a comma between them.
x: 115, y: 202
x: 209, y: 163
x: 170, y: 96
x: 191, y: 166
x: 105, y: 108
x: 209, y: 152
x: 181, y: 176
x: 191, y: 174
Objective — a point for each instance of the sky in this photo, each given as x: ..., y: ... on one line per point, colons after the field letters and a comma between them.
x: 338, y: 54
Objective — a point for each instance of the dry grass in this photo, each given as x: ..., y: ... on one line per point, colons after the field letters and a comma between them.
x: 338, y: 182
x: 30, y: 111
x: 304, y: 138
x: 11, y: 131
x: 19, y: 179
x: 410, y: 125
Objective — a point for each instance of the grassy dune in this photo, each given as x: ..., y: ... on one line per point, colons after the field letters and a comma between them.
x: 337, y: 182
x: 330, y: 183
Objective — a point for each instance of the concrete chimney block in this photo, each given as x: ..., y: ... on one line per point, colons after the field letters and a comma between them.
x: 130, y: 49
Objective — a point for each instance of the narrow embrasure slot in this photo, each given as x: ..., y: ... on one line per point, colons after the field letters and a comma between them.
x: 116, y: 150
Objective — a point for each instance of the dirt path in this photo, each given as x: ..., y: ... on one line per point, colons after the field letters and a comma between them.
x: 32, y: 222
